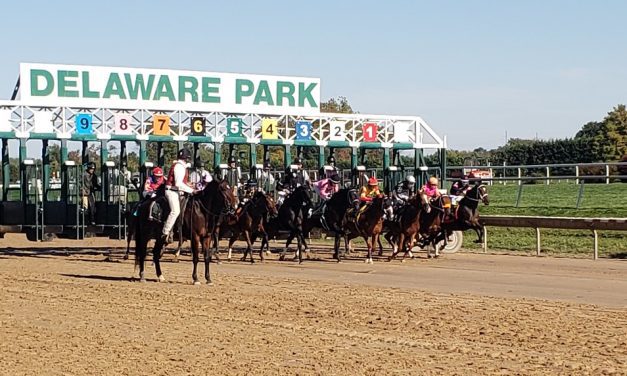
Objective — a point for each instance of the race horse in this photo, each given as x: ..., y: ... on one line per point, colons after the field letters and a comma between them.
x: 291, y: 218
x: 431, y: 224
x: 402, y: 232
x: 330, y: 216
x: 199, y: 218
x: 466, y: 215
x: 248, y: 220
x: 368, y: 223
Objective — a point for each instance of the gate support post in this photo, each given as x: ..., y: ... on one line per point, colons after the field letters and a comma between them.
x: 596, y: 244
x: 217, y: 154
x: 537, y: 241
x: 6, y: 168
x: 321, y: 161
x: 485, y: 239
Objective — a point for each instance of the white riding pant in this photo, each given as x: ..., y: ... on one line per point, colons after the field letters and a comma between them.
x: 174, y: 201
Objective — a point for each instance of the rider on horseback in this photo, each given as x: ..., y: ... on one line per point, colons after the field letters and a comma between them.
x: 326, y: 188
x: 402, y: 193
x: 249, y: 190
x: 297, y: 177
x: 176, y: 186
x: 153, y: 183
x: 459, y: 188
x: 431, y: 188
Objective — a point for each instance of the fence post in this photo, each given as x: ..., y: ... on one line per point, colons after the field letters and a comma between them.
x: 607, y: 174
x: 519, y: 194
x: 596, y: 244
x: 485, y: 239
x: 577, y: 174
x: 519, y: 176
x: 537, y: 241
x: 580, y: 195
x: 548, y: 174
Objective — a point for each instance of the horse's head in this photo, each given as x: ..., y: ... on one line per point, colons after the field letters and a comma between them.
x: 482, y: 193
x: 388, y: 207
x: 226, y: 194
x: 265, y: 203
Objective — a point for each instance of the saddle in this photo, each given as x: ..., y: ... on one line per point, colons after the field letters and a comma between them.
x: 158, y: 209
x: 353, y: 214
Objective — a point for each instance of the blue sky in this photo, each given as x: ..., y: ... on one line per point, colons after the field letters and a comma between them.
x: 472, y: 69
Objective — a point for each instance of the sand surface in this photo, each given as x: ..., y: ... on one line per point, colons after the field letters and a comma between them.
x: 81, y: 312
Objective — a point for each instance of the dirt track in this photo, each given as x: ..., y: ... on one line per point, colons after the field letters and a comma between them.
x: 463, y: 314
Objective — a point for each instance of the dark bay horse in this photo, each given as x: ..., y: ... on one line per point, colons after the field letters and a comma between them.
x: 249, y: 221
x: 368, y: 224
x: 292, y: 214
x: 466, y: 216
x: 331, y: 217
x: 198, y: 218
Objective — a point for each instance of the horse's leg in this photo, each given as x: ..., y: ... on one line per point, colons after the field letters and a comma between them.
x: 380, y: 245
x: 178, y: 249
x: 230, y: 247
x: 141, y: 246
x: 156, y: 256
x: 336, y: 247
x: 287, y: 244
x: 370, y: 245
x: 207, y: 256
x: 249, y: 247
x: 395, y: 247
x: 212, y: 238
x: 302, y: 239
x: 195, y: 258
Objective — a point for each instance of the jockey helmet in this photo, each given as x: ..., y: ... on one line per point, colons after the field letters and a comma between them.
x: 90, y: 166
x: 232, y: 159
x: 373, y: 181
x: 331, y: 160
x: 298, y: 161
x: 334, y: 179
x: 123, y: 164
x: 252, y: 182
x: 433, y: 180
x: 157, y: 171
x: 267, y: 165
x: 410, y: 179
x: 184, y: 154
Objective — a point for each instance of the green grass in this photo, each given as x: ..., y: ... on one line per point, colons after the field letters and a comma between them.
x: 599, y: 200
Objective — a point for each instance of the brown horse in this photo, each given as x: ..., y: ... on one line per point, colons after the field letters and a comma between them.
x: 368, y: 223
x: 431, y: 224
x: 248, y: 221
x: 403, y: 231
x: 199, y: 218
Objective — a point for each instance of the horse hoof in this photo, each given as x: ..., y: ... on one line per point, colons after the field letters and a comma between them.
x: 142, y: 280
x: 161, y: 278
x: 281, y: 258
x: 402, y: 260
x: 243, y: 259
x: 125, y: 257
x: 196, y: 283
x: 209, y: 283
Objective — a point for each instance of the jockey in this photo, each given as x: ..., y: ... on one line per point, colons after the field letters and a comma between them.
x: 369, y: 191
x: 327, y: 187
x: 153, y: 183
x: 199, y: 177
x: 459, y: 189
x: 298, y: 177
x: 431, y: 188
x: 249, y: 190
x: 176, y: 185
x: 404, y: 190
x: 266, y: 179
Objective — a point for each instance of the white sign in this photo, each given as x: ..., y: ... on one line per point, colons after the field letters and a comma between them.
x: 401, y: 131
x: 163, y: 89
x: 337, y: 131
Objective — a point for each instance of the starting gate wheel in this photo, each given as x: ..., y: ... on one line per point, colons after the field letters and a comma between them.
x: 453, y: 245
x: 455, y: 242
